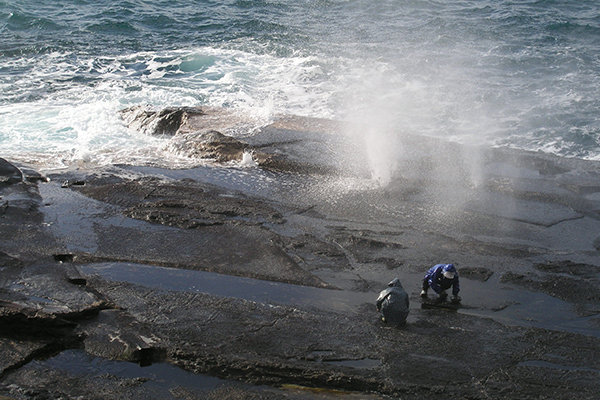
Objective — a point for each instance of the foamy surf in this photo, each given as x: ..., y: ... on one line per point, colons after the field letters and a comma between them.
x: 81, y: 122
x: 453, y: 71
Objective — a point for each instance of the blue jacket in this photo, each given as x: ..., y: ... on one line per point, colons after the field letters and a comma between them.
x: 438, y: 282
x: 393, y: 303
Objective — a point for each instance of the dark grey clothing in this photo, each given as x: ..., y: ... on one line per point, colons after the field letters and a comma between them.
x: 393, y: 303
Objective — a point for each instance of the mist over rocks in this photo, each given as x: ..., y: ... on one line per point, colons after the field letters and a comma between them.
x: 306, y: 248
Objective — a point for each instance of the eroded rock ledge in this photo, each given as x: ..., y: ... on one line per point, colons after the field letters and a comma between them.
x: 209, y: 133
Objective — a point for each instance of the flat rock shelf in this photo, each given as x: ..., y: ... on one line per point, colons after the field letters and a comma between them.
x: 258, y: 280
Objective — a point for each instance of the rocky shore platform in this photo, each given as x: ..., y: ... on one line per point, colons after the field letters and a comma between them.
x: 255, y: 276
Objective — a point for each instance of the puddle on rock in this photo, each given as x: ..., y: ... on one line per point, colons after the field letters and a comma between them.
x: 513, y: 305
x: 165, y: 380
x: 505, y: 304
x: 326, y: 356
x: 365, y: 363
x: 159, y: 376
x: 229, y: 286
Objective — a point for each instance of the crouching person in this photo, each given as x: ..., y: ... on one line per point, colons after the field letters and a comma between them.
x: 440, y: 278
x: 393, y: 304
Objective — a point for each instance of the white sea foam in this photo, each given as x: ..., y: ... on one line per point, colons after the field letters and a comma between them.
x: 71, y: 112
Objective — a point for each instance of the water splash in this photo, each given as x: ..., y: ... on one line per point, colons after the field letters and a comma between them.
x: 248, y: 160
x: 379, y: 144
x: 373, y: 111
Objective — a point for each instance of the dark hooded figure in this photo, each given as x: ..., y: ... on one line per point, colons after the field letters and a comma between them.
x: 393, y: 303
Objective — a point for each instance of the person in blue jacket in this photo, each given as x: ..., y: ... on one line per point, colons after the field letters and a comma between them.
x: 440, y: 278
x: 393, y: 303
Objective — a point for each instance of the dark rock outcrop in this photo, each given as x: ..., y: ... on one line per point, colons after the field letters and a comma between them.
x: 9, y: 173
x: 158, y: 122
x: 204, y: 133
x: 565, y: 280
x: 117, y: 335
x: 41, y: 311
x: 210, y: 144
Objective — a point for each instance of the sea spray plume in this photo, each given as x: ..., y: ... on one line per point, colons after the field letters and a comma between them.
x: 418, y: 132
x: 372, y: 130
x: 379, y: 144
x: 248, y: 160
x: 392, y: 144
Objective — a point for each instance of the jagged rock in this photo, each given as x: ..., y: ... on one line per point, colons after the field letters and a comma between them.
x: 40, y: 299
x: 182, y: 204
x: 313, y: 252
x: 216, y: 146
x: 40, y: 310
x: 367, y: 247
x: 150, y: 121
x: 15, y: 352
x: 210, y: 144
x: 206, y: 133
x: 348, y: 238
x: 33, y: 176
x: 9, y: 173
x: 18, y: 319
x: 214, y: 222
x: 115, y: 334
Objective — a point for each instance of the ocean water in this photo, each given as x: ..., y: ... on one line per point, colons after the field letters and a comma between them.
x: 520, y: 73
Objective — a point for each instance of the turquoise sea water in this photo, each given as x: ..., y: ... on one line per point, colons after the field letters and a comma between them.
x: 524, y: 74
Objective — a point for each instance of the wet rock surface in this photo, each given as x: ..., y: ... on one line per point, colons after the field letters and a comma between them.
x: 289, y: 144
x: 129, y: 267
x: 158, y: 122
